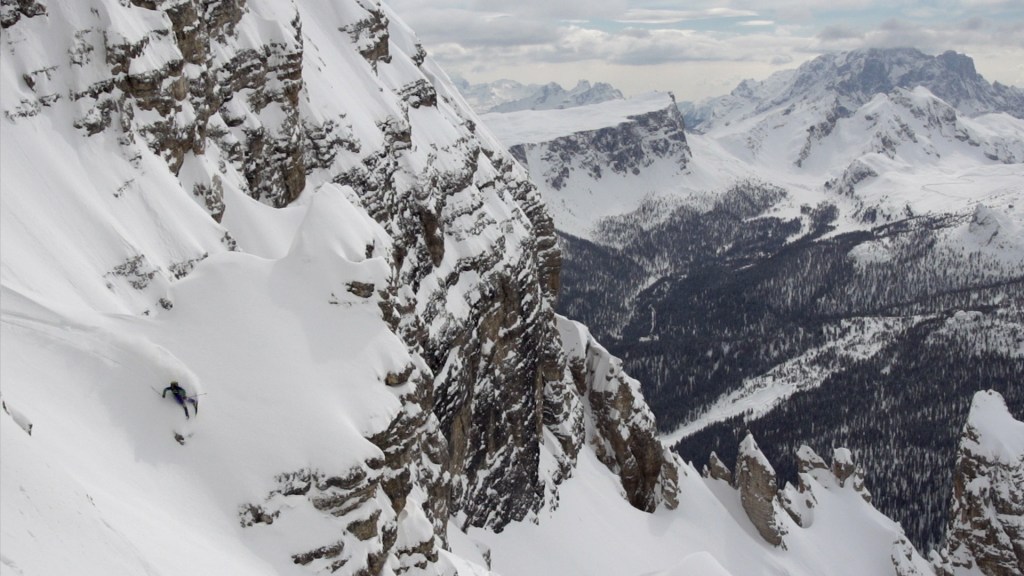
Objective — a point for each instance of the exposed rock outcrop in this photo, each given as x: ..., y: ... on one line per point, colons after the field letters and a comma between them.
x: 808, y: 460
x: 845, y: 470
x: 755, y: 479
x: 799, y: 502
x: 986, y: 526
x: 620, y: 426
x: 717, y: 469
x: 13, y: 10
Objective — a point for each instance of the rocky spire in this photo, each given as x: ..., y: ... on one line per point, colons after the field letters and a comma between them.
x: 986, y: 526
x: 717, y: 469
x: 755, y: 479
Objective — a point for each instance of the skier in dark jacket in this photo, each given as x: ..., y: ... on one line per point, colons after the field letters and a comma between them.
x: 181, y: 397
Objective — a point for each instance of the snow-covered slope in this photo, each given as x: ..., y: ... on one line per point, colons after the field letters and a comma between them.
x: 885, y: 134
x: 902, y: 153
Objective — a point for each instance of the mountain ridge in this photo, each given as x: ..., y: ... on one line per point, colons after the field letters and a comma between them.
x: 858, y: 75
x: 512, y: 96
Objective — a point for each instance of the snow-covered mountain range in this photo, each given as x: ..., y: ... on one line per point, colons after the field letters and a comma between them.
x: 853, y: 78
x: 879, y: 156
x: 288, y: 209
x: 512, y: 96
x: 825, y: 237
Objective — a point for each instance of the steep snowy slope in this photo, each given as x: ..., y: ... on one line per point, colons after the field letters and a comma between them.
x: 286, y: 208
x: 356, y: 352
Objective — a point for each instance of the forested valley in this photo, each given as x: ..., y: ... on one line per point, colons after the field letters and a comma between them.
x: 894, y: 327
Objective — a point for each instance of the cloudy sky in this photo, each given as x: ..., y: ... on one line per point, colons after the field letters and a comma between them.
x: 700, y: 48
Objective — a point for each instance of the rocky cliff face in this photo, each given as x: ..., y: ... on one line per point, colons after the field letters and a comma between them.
x: 278, y: 101
x: 619, y: 425
x: 986, y: 527
x: 625, y: 149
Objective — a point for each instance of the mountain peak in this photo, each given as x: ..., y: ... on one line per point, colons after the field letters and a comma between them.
x: 853, y: 78
x: 510, y: 96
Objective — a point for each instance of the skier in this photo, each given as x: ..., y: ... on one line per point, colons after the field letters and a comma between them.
x: 181, y: 397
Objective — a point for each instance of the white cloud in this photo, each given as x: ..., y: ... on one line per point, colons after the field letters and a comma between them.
x: 558, y: 9
x: 664, y: 17
x: 629, y: 39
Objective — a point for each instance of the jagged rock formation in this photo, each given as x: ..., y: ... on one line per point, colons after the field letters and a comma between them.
x: 907, y: 562
x: 844, y: 469
x: 717, y: 469
x: 777, y: 512
x: 799, y: 502
x: 986, y: 527
x: 808, y: 460
x: 13, y: 10
x: 755, y: 479
x: 620, y: 427
x: 332, y: 107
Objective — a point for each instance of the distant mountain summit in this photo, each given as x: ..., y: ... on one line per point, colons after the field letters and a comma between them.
x: 854, y: 78
x: 512, y: 96
x: 553, y: 97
